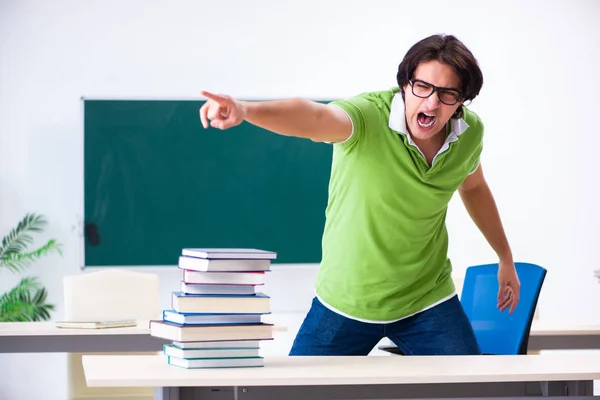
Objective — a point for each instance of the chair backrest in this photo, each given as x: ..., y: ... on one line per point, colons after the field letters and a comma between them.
x: 500, y: 332
x: 109, y: 294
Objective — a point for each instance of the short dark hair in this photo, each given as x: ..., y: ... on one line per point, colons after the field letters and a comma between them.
x: 446, y: 49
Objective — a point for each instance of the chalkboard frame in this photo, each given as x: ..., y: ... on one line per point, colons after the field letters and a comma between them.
x: 296, y: 248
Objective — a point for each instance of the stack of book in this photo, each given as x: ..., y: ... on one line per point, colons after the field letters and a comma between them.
x: 216, y: 316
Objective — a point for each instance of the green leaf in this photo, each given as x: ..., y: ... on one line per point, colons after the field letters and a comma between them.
x: 14, y: 252
x: 18, y: 261
x: 18, y: 239
x: 25, y: 302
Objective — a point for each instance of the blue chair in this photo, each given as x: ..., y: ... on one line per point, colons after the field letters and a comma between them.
x: 498, y: 333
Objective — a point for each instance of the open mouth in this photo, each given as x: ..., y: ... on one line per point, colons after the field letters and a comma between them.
x: 426, y: 120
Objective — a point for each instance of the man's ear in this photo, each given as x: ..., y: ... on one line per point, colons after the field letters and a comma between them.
x: 403, y: 93
x: 458, y: 113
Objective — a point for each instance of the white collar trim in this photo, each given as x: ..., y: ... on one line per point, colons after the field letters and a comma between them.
x: 397, y: 122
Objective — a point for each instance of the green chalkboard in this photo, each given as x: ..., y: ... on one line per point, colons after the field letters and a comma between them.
x: 157, y: 181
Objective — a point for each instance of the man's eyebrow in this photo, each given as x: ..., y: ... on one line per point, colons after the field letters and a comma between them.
x: 441, y: 87
x: 450, y: 88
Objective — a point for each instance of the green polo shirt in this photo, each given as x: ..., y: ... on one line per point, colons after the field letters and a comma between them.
x: 385, y: 241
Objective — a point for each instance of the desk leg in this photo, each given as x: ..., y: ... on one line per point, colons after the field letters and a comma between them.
x: 166, y: 393
x: 567, y: 388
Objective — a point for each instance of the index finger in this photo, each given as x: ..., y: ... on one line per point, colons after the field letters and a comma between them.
x: 222, y: 100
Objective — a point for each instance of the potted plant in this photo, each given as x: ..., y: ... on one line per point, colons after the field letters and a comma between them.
x: 27, y: 300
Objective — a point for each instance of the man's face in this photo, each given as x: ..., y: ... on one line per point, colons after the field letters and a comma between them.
x: 425, y: 117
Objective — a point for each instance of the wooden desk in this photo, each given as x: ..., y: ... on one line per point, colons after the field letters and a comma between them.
x: 45, y: 337
x: 355, y: 377
x: 554, y: 335
x: 544, y: 335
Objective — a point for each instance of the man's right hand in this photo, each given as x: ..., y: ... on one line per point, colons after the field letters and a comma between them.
x: 289, y: 117
x: 221, y: 111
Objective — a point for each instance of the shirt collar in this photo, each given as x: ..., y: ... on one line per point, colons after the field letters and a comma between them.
x: 397, y: 121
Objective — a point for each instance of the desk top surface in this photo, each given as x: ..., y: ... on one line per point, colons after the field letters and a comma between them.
x: 281, y: 321
x: 153, y: 370
x: 564, y: 328
x: 48, y: 328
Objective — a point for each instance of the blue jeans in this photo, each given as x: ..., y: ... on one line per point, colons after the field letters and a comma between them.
x: 440, y: 330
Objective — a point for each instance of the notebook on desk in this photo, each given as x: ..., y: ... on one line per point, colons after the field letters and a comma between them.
x: 119, y: 323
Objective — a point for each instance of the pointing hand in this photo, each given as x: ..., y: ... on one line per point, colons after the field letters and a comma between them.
x: 222, y: 111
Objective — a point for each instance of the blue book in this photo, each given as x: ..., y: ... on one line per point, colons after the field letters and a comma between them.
x: 240, y: 362
x: 174, y: 351
x: 210, y: 319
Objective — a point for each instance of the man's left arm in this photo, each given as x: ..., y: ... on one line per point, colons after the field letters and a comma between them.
x: 481, y: 206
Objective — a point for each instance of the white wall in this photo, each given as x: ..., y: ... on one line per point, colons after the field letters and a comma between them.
x: 539, y: 104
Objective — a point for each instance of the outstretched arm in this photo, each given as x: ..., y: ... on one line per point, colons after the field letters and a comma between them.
x: 293, y: 117
x: 481, y: 206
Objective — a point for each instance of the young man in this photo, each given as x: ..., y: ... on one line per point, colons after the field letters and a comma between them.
x: 398, y: 157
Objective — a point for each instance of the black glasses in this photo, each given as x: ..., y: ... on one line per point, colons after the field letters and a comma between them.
x: 423, y: 90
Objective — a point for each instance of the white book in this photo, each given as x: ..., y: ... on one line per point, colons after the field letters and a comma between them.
x: 220, y: 303
x: 224, y: 278
x: 205, y: 265
x: 176, y: 352
x: 217, y: 362
x: 210, y: 333
x: 226, y: 253
x: 195, y: 288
